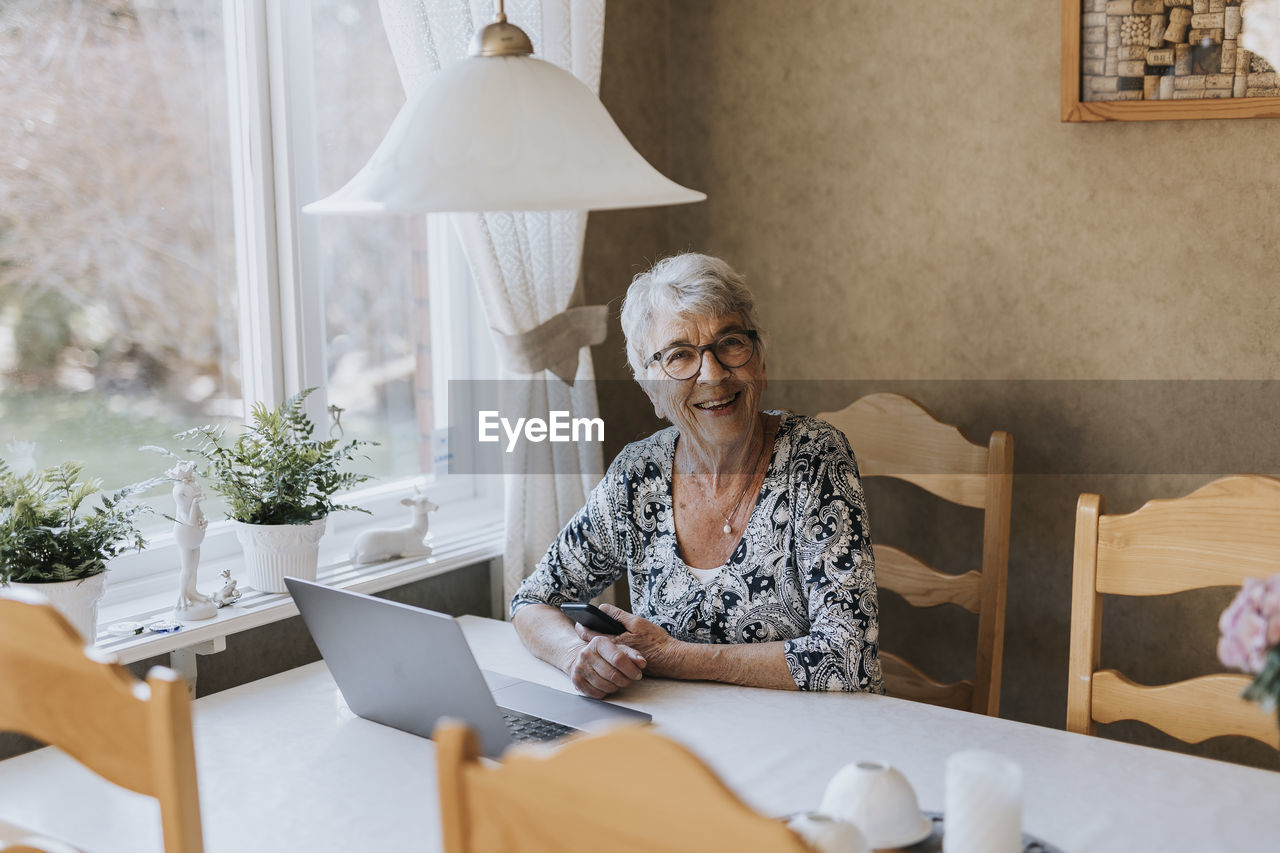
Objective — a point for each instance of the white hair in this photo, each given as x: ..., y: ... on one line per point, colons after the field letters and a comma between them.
x: 685, y: 285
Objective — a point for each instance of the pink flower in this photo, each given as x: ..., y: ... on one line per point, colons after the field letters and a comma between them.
x: 1269, y: 604
x: 1250, y: 625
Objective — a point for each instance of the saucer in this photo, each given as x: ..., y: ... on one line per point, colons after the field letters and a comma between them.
x: 933, y: 844
x: 919, y: 834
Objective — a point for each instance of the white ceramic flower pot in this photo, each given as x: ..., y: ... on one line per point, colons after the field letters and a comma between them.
x: 272, y: 551
x: 77, y: 600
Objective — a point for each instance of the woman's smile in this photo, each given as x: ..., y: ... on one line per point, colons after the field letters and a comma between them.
x: 719, y: 405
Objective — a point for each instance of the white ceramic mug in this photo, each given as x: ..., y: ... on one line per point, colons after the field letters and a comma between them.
x: 879, y: 800
x: 826, y: 834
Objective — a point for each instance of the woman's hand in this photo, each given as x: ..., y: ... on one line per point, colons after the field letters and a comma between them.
x: 601, y: 665
x: 660, y: 651
x: 749, y: 664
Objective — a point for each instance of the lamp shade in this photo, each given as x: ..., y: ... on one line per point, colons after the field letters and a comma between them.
x: 494, y: 133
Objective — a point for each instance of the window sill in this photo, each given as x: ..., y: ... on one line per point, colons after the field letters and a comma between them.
x: 462, y: 544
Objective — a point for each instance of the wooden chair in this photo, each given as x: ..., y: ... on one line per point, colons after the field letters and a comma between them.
x: 1218, y: 535
x: 627, y: 791
x: 894, y: 436
x: 135, y: 734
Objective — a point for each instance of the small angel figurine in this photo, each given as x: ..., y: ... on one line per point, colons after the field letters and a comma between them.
x: 228, y: 594
x: 188, y: 530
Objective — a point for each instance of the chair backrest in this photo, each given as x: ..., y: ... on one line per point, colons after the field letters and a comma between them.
x: 628, y: 790
x: 135, y: 734
x: 1218, y: 535
x: 894, y: 436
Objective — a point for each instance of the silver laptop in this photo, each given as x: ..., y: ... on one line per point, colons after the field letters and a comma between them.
x: 407, y: 667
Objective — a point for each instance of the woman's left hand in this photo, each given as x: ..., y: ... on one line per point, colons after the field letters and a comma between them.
x: 660, y: 649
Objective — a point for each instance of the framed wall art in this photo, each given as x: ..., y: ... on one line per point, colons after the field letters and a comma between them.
x: 1152, y: 60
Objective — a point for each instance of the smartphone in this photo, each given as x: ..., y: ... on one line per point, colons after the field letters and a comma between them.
x: 590, y: 616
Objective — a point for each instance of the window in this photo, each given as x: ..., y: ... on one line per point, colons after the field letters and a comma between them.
x: 155, y: 271
x: 118, y: 314
x: 372, y: 272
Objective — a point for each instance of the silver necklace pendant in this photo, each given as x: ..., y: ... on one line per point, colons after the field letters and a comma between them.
x: 727, y: 529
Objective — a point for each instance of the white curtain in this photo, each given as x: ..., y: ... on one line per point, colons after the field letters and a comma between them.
x: 526, y: 266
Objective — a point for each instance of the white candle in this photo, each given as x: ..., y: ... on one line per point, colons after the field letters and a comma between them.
x: 983, y: 804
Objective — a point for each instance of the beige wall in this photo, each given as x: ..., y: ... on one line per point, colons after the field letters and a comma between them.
x: 895, y: 183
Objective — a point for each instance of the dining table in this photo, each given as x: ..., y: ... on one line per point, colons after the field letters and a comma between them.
x: 284, y: 765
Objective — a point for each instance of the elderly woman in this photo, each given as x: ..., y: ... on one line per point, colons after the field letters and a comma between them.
x: 743, y: 533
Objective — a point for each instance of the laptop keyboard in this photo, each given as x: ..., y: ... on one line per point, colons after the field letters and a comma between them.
x: 528, y: 728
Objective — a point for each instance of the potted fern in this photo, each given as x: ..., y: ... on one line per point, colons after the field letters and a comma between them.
x: 57, y: 532
x: 280, y: 482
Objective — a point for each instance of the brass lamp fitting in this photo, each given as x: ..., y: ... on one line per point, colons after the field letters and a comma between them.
x: 501, y: 38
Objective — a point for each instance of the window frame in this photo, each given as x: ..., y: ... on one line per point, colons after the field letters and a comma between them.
x: 281, y: 323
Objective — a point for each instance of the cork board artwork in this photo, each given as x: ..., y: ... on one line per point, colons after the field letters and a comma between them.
x: 1184, y: 54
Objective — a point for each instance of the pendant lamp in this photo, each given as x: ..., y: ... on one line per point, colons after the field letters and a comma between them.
x: 502, y: 131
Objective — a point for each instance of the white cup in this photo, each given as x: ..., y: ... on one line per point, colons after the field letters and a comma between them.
x: 879, y: 800
x: 828, y: 835
x: 983, y: 804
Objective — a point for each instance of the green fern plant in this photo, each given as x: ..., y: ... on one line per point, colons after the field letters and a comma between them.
x: 50, y: 530
x: 275, y: 471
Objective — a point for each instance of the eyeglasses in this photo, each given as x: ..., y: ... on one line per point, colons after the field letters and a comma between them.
x: 732, y: 349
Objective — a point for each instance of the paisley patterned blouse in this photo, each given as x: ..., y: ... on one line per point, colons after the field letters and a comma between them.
x: 803, y: 571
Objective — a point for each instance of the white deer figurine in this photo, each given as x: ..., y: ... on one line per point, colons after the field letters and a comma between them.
x: 375, y: 546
